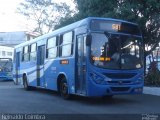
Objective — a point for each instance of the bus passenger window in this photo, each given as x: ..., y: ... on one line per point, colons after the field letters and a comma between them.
x: 66, y: 46
x: 25, y: 54
x: 52, y: 47
x: 33, y: 52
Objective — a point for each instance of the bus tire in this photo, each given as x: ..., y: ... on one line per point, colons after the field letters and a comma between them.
x: 25, y: 83
x: 64, y: 89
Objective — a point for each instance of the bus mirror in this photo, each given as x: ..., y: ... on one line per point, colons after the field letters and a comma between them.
x: 88, y: 40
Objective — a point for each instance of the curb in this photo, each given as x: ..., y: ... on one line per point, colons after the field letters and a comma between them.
x: 151, y: 90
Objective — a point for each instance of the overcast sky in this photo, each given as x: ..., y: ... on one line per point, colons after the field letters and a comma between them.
x: 12, y: 21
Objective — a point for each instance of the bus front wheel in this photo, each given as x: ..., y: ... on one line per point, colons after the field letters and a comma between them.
x: 64, y: 89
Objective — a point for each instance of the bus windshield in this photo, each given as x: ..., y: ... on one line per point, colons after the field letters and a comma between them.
x: 116, y: 51
x: 5, y: 65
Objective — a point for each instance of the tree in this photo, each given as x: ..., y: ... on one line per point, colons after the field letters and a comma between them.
x: 45, y: 13
x: 147, y: 14
x: 144, y: 12
x: 86, y: 8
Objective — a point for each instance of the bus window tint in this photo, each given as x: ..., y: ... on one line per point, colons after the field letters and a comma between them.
x: 52, y: 48
x: 66, y: 44
x: 33, y: 52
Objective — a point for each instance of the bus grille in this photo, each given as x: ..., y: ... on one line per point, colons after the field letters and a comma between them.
x: 121, y: 89
x: 120, y: 75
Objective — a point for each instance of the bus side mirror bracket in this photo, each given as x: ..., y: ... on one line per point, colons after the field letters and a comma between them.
x: 88, y: 40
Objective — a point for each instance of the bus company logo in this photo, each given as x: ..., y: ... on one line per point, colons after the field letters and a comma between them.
x: 149, y: 117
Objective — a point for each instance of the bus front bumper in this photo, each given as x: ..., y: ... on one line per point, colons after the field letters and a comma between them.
x: 104, y: 90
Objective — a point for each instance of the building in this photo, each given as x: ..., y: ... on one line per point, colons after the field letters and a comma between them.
x: 11, y: 39
x: 6, y: 52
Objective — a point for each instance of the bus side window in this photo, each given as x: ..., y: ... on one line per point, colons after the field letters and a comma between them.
x: 25, y: 53
x: 66, y: 44
x: 33, y: 49
x: 52, y: 47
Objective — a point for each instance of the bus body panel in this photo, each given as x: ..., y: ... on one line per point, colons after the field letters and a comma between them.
x: 106, y: 90
x: 54, y: 68
x: 6, y: 76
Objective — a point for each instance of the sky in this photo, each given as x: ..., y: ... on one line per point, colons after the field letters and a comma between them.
x: 10, y: 20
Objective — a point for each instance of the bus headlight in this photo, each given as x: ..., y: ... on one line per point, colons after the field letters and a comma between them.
x: 96, y: 78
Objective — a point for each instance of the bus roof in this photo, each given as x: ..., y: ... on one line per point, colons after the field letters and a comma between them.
x: 112, y: 19
x: 82, y: 22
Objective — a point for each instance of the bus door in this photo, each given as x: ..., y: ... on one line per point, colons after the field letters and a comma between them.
x: 17, y: 66
x: 80, y: 81
x: 40, y: 66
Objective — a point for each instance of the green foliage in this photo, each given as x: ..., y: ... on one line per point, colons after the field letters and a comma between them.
x: 153, y: 76
x: 95, y: 7
x: 88, y: 8
x: 153, y: 79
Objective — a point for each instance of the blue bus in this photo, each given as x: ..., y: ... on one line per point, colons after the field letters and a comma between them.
x: 91, y: 57
x: 6, y: 69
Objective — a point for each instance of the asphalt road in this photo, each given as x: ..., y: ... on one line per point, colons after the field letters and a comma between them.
x: 14, y: 99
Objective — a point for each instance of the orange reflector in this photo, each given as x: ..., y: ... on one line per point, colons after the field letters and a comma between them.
x: 64, y: 62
